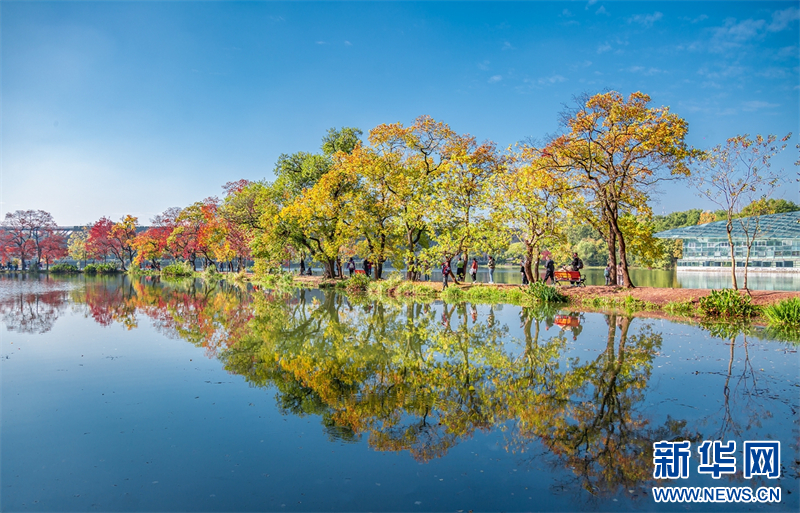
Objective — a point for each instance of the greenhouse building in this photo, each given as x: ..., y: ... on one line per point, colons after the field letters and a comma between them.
x: 775, y: 244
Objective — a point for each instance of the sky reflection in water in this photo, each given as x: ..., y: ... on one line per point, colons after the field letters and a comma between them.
x: 313, y: 401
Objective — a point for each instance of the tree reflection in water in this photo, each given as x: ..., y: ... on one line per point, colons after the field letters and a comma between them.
x: 32, y: 309
x: 415, y: 377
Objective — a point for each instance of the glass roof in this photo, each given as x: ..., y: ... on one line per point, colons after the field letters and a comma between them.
x: 773, y: 226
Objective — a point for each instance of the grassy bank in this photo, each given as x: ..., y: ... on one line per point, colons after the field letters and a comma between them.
x: 780, y: 310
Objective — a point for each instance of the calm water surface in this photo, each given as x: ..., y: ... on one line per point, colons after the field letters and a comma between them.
x: 141, y: 395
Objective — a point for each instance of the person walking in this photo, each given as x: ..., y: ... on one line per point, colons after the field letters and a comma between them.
x: 461, y: 268
x: 620, y: 280
x: 607, y: 273
x: 445, y: 273
x: 577, y: 263
x: 491, y: 265
x: 351, y: 266
x: 302, y: 266
x: 473, y: 270
x: 550, y: 271
x: 524, y: 274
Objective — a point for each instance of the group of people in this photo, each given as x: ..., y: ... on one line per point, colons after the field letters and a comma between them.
x: 367, y: 265
x: 461, y: 267
x: 550, y: 268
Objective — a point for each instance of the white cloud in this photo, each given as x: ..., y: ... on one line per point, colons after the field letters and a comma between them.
x: 495, y: 78
x: 742, y: 31
x: 508, y: 46
x: 322, y: 42
x: 788, y: 51
x: 700, y: 18
x: 772, y: 72
x: 644, y: 70
x: 646, y: 20
x: 567, y: 13
x: 590, y: 3
x: 758, y: 105
x: 553, y: 79
x: 603, y: 48
x: 602, y: 10
x: 723, y: 72
x: 782, y: 19
x: 484, y: 65
x: 348, y: 43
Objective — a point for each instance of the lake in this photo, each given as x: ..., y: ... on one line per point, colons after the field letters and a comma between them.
x: 124, y: 394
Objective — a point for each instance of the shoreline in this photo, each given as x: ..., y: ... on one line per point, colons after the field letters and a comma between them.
x: 657, y: 296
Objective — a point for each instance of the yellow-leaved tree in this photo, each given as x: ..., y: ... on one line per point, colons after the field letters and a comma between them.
x: 616, y: 150
x: 532, y: 202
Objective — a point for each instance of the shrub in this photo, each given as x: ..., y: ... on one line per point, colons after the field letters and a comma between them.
x: 64, y: 268
x: 785, y: 313
x: 453, y: 295
x: 484, y: 294
x: 727, y: 303
x: 277, y: 280
x: 385, y: 287
x: 178, y: 269
x: 358, y: 283
x: 211, y: 273
x: 686, y: 308
x: 100, y: 268
x: 546, y: 293
x: 633, y: 304
x: 410, y: 288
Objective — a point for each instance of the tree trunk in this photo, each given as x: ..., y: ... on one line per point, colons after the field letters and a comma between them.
x: 611, y: 242
x: 330, y: 268
x: 746, y: 264
x: 729, y: 228
x: 410, y: 254
x: 528, y: 260
x: 626, y: 278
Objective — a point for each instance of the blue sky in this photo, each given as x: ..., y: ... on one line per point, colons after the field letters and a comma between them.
x: 132, y: 107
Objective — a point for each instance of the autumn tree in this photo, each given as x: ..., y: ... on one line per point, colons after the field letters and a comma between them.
x: 150, y: 245
x: 320, y: 214
x: 617, y: 150
x: 26, y: 233
x: 122, y: 234
x: 76, y: 245
x: 99, y: 244
x: 16, y: 235
x: 197, y: 232
x: 53, y: 248
x: 109, y: 238
x: 532, y: 203
x: 416, y: 156
x: 283, y: 232
x: 462, y: 191
x: 737, y: 173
